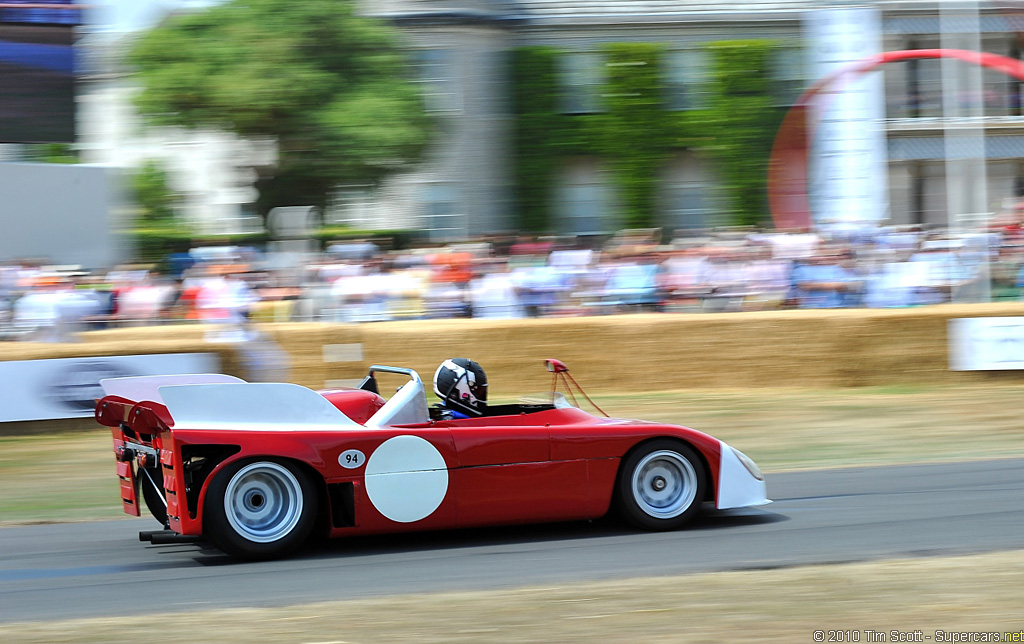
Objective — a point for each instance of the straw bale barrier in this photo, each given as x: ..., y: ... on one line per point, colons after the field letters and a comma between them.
x: 126, y: 342
x: 644, y: 352
x: 818, y: 349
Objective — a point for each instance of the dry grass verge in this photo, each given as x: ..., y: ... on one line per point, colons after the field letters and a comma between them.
x: 956, y: 594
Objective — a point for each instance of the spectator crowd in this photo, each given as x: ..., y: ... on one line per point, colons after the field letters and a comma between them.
x: 358, y: 282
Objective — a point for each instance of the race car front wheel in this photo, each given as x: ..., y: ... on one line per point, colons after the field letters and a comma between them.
x: 661, y: 485
x: 259, y: 509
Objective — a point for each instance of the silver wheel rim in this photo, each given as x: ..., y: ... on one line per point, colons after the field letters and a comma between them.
x: 263, y: 502
x: 664, y: 484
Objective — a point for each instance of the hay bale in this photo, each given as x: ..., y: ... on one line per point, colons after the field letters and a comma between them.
x: 793, y: 348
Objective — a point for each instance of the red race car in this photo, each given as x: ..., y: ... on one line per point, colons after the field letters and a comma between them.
x: 256, y: 468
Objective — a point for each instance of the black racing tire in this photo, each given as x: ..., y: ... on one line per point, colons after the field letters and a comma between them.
x: 153, y: 498
x: 661, y: 485
x: 259, y: 509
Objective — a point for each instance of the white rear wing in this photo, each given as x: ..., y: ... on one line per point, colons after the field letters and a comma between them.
x: 253, y: 406
x: 140, y: 388
x: 218, y: 401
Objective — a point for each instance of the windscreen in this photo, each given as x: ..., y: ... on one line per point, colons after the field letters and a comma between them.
x: 547, y: 398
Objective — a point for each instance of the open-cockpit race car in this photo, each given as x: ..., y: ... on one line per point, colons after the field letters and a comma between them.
x: 256, y: 468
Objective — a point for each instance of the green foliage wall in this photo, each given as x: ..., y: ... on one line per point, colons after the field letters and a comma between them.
x: 634, y: 132
x: 636, y: 135
x: 538, y: 134
x: 742, y: 123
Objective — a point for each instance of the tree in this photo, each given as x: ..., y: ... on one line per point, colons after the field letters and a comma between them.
x: 50, y: 153
x: 330, y: 86
x: 155, y: 199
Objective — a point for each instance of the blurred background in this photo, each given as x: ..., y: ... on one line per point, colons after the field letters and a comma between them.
x: 358, y: 161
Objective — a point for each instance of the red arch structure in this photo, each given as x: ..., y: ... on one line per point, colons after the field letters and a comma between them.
x: 787, y: 165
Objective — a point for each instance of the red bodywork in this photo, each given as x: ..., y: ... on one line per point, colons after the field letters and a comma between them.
x: 550, y: 465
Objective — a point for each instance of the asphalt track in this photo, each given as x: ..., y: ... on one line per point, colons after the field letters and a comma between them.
x: 826, y: 516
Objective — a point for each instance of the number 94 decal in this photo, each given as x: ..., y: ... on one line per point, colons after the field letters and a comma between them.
x: 351, y: 459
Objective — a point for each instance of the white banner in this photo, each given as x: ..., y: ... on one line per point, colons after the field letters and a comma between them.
x: 68, y: 387
x: 848, y: 166
x: 986, y: 344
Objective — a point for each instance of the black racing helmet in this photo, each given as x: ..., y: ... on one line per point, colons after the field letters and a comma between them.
x: 462, y: 385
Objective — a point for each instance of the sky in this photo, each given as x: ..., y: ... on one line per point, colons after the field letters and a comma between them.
x: 132, y: 15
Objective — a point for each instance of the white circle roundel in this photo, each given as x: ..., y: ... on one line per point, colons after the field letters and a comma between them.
x: 406, y: 478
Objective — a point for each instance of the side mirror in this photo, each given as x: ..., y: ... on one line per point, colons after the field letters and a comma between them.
x: 555, y: 366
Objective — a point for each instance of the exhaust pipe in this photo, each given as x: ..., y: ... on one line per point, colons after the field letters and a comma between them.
x: 163, y: 537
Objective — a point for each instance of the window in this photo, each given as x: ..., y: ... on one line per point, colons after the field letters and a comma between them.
x: 584, y: 200
x: 900, y: 93
x: 688, y: 206
x: 687, y: 75
x: 441, y: 219
x: 436, y: 72
x: 927, y: 80
x: 788, y: 75
x: 582, y: 75
x: 1014, y: 86
x: 582, y: 209
x: 352, y: 206
x: 493, y: 87
x: 687, y: 196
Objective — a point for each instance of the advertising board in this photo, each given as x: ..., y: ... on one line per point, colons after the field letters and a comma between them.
x: 68, y: 387
x: 986, y: 344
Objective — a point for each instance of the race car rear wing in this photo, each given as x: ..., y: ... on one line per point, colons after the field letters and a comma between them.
x: 140, y: 388
x: 136, y: 400
x: 251, y: 405
x: 215, y: 401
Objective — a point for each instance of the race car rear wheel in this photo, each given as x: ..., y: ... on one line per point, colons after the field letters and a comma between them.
x: 259, y: 509
x: 154, y: 497
x: 661, y: 485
